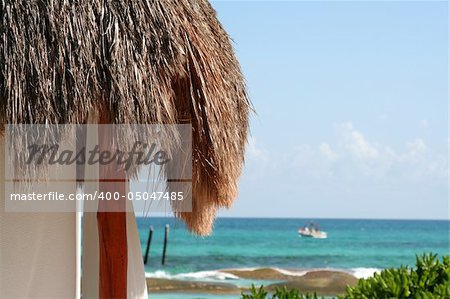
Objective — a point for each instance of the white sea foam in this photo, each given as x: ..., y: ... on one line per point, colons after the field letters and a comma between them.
x: 357, y: 272
x: 216, y: 275
x: 158, y: 274
x: 364, y: 272
x: 222, y: 275
x: 201, y: 275
x: 282, y: 271
x: 291, y: 273
x: 241, y: 269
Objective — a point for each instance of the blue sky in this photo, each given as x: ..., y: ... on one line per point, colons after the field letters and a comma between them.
x: 352, y: 108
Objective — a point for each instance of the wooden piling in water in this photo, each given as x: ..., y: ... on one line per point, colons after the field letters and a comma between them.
x: 149, y: 240
x: 166, y: 236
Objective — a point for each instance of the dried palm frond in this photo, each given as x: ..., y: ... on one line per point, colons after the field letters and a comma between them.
x: 138, y: 62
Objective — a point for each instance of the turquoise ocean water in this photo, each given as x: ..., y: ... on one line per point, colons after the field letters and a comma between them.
x: 356, y: 246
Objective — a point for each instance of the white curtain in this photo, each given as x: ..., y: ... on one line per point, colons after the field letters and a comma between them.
x: 37, y: 250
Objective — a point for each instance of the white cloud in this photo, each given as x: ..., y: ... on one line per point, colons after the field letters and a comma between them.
x: 348, y: 157
x: 253, y: 150
x: 325, y: 150
x: 416, y: 146
x: 356, y: 143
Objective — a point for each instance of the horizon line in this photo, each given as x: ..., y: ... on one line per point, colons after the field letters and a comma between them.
x: 307, y: 218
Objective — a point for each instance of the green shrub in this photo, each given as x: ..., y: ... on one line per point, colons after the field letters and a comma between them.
x: 429, y: 279
x: 283, y: 293
x: 255, y: 293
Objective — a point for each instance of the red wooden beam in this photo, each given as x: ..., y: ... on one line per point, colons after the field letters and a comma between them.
x: 112, y: 228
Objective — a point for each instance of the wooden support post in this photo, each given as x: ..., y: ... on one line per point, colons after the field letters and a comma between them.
x: 149, y: 240
x: 166, y: 236
x: 112, y: 231
x: 112, y: 225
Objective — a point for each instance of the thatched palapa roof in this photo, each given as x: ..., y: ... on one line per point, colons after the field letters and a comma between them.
x: 139, y: 62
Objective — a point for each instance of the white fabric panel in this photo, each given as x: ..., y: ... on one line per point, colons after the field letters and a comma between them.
x: 78, y: 252
x: 37, y: 251
x: 137, y: 285
x: 91, y: 259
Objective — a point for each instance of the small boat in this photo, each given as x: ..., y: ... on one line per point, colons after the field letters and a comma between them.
x: 312, y: 231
